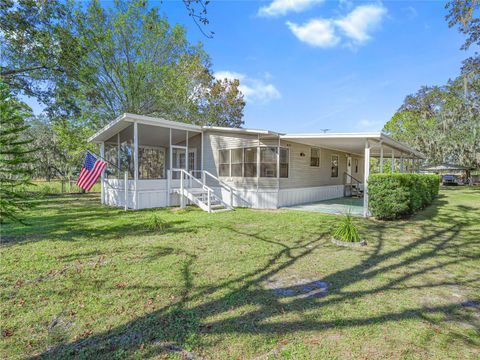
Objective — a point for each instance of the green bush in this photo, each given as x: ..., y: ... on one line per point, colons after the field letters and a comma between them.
x: 392, y: 196
x: 346, y: 230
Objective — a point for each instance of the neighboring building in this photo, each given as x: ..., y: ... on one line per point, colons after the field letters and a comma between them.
x: 227, y: 167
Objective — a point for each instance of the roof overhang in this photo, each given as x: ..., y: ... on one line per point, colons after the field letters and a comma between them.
x: 354, y: 143
x: 125, y: 120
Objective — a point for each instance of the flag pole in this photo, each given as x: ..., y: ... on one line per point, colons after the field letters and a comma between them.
x: 101, y: 157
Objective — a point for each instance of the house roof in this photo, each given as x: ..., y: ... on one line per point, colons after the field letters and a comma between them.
x: 346, y: 142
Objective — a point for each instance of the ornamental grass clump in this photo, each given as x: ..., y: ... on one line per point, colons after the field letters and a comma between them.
x: 156, y: 223
x: 346, y: 230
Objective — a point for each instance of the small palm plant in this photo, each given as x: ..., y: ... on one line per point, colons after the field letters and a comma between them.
x: 346, y: 230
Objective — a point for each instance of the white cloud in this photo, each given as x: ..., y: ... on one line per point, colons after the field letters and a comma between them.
x: 255, y: 90
x: 316, y: 32
x: 411, y: 12
x: 357, y: 26
x: 281, y: 7
x: 361, y: 21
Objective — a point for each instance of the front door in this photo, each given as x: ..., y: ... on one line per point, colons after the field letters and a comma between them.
x: 179, y: 161
x: 349, y: 170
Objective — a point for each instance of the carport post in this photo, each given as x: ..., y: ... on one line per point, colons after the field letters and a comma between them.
x: 401, y: 163
x: 365, y: 179
x: 393, y: 161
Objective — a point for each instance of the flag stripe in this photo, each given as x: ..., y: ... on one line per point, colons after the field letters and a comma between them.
x: 93, y: 180
x: 90, y: 172
x: 87, y: 176
x: 92, y: 176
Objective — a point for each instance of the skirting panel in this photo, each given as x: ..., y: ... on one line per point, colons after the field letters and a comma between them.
x: 289, y: 197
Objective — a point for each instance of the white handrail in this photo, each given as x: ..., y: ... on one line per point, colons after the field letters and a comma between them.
x: 229, y: 188
x: 209, y: 190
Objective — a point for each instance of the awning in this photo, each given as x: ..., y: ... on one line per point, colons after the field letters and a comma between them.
x: 354, y: 143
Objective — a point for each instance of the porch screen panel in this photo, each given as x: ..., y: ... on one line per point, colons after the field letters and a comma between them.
x: 111, y: 155
x: 224, y: 163
x: 268, y: 162
x: 126, y: 158
x: 237, y: 162
x: 151, y: 162
x: 284, y: 156
x: 250, y: 162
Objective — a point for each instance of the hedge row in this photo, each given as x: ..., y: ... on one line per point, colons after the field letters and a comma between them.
x: 392, y: 196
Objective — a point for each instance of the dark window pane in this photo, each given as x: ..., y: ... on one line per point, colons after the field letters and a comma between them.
x: 268, y: 154
x: 237, y: 156
x: 284, y: 170
x: 250, y: 170
x: 283, y: 156
x: 237, y: 169
x: 224, y: 170
x: 250, y: 155
x: 315, y: 157
x: 268, y: 170
x: 224, y: 156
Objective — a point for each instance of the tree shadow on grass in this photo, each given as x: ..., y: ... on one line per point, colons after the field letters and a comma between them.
x: 184, y: 325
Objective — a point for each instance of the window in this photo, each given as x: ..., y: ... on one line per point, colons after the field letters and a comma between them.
x: 224, y: 163
x: 237, y: 162
x: 268, y: 162
x: 334, y: 166
x: 250, y: 162
x: 315, y: 157
x: 284, y: 163
x: 356, y: 165
x: 151, y: 162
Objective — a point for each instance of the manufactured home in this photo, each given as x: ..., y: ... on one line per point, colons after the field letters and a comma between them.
x: 153, y: 162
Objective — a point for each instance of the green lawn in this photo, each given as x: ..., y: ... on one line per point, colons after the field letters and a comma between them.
x: 93, y: 281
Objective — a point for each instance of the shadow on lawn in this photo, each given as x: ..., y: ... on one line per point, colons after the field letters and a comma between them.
x: 76, y: 222
x: 179, y: 323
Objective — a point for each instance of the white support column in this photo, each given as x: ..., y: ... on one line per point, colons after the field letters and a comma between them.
x: 381, y: 158
x: 102, y: 176
x: 393, y: 161
x: 118, y: 156
x: 258, y: 160
x: 135, y: 162
x: 401, y: 163
x: 365, y: 179
x: 201, y: 147
x: 170, y: 163
x: 278, y: 163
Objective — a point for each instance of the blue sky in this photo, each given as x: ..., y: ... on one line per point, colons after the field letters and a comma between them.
x: 307, y: 65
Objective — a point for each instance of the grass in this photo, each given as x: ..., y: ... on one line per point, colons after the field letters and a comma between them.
x: 95, y: 282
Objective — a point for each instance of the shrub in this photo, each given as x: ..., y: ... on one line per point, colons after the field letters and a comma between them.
x: 392, y: 196
x: 346, y: 230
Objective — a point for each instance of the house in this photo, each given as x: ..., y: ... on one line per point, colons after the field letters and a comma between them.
x: 163, y: 163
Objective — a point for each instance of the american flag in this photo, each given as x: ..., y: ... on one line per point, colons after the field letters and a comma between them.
x: 91, y: 170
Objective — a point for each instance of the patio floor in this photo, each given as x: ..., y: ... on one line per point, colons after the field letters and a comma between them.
x: 333, y: 206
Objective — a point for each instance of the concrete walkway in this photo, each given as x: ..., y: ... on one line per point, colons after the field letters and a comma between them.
x: 333, y: 206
